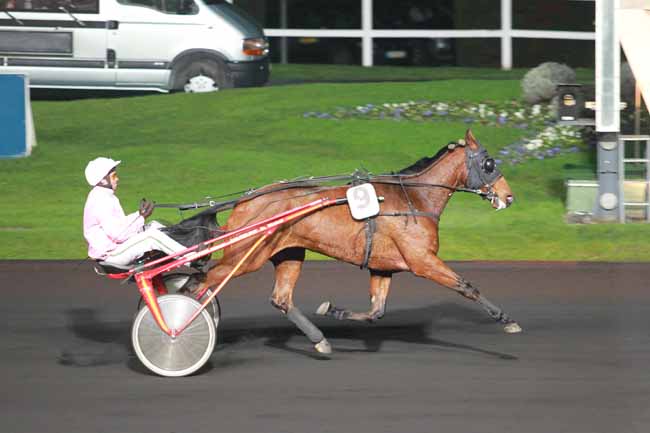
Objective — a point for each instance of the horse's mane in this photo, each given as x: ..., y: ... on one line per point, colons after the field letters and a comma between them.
x: 424, y: 162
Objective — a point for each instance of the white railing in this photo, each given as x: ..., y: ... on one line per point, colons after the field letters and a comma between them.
x: 506, y: 33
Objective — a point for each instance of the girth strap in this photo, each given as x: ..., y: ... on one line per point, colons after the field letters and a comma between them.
x: 371, y: 227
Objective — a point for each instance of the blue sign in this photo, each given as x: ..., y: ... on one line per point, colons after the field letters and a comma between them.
x: 15, y: 116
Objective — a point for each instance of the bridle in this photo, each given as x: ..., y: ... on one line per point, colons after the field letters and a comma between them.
x: 482, y: 171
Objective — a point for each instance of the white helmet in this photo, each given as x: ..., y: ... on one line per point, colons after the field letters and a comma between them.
x: 98, y: 168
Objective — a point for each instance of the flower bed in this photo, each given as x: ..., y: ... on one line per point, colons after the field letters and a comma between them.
x: 548, y: 139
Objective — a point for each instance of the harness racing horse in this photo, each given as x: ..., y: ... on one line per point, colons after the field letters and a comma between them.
x: 405, y: 233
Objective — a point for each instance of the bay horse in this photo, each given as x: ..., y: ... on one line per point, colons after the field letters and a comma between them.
x: 405, y: 233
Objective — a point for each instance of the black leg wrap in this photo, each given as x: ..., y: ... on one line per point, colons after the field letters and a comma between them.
x: 309, y: 329
x: 494, y: 311
x: 467, y: 290
x: 338, y: 313
x: 472, y: 293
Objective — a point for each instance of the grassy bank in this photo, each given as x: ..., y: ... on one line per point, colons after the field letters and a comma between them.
x: 178, y: 148
x: 338, y: 73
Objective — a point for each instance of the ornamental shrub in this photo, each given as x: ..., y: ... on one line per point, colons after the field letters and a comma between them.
x: 539, y: 84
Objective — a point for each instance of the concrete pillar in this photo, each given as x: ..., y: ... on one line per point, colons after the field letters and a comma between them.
x: 607, y: 111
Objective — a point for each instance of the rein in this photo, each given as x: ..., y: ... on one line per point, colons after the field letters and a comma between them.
x: 250, y: 194
x: 358, y: 176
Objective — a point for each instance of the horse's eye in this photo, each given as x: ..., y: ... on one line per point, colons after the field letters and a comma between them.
x: 489, y: 165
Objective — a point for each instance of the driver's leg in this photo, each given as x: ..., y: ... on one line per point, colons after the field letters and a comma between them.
x: 136, y: 246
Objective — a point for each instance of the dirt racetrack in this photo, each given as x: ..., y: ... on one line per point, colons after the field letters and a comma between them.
x: 435, y: 363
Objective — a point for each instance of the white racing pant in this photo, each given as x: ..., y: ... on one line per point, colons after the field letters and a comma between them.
x: 148, y: 240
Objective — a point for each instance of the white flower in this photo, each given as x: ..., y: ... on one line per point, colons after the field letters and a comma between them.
x: 536, y: 110
x: 534, y: 144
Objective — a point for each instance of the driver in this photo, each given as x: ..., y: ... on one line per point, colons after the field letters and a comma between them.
x: 113, y: 236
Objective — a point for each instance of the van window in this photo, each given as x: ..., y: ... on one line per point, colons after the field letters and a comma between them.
x: 174, y: 7
x: 72, y: 6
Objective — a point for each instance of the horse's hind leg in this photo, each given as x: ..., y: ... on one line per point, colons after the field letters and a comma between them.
x: 288, y: 264
x: 436, y: 270
x: 379, y: 287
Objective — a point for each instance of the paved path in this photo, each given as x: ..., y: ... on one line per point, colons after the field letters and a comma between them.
x: 435, y: 363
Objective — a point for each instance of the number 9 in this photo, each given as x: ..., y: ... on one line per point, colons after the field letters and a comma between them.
x: 361, y: 197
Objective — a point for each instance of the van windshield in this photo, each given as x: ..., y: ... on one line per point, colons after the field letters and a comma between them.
x: 237, y: 16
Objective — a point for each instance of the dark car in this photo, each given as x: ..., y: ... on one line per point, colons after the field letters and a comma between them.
x: 337, y: 14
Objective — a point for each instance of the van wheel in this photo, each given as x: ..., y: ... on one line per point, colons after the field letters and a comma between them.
x: 203, y: 76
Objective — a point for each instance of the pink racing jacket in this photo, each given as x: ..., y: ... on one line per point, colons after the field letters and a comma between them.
x: 105, y: 225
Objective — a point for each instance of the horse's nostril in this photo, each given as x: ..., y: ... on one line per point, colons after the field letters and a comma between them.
x: 510, y: 199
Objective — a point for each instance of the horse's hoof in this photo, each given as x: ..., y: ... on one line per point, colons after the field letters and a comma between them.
x: 512, y: 328
x: 323, y: 347
x: 323, y: 309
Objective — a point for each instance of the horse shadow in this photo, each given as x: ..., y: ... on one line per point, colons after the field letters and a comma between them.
x: 109, y: 342
x: 412, y: 326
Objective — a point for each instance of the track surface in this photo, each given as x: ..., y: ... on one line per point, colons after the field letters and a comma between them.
x: 434, y: 363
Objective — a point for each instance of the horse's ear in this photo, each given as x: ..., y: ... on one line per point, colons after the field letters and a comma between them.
x: 470, y: 139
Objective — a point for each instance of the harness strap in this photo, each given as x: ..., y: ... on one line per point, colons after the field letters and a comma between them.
x: 371, y: 227
x: 413, y: 213
x: 408, y: 201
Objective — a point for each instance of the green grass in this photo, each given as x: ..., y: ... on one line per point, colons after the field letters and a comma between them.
x: 178, y: 148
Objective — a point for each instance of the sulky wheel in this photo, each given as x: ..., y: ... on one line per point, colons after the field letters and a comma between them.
x: 178, y: 283
x: 174, y: 357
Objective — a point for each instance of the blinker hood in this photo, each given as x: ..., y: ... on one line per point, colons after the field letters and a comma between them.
x: 477, y: 176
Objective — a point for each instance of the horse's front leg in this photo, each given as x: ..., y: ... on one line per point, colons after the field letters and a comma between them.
x: 436, y: 270
x: 288, y: 264
x: 379, y: 287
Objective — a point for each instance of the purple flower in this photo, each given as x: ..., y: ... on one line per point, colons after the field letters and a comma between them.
x: 504, y: 152
x: 502, y: 120
x: 574, y: 149
x: 443, y: 113
x: 427, y: 113
x: 324, y: 116
x: 468, y: 120
x: 498, y: 161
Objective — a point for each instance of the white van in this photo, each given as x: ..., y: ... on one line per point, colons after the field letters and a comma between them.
x: 163, y: 45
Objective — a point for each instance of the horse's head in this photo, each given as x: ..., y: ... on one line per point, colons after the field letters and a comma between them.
x: 483, y: 174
